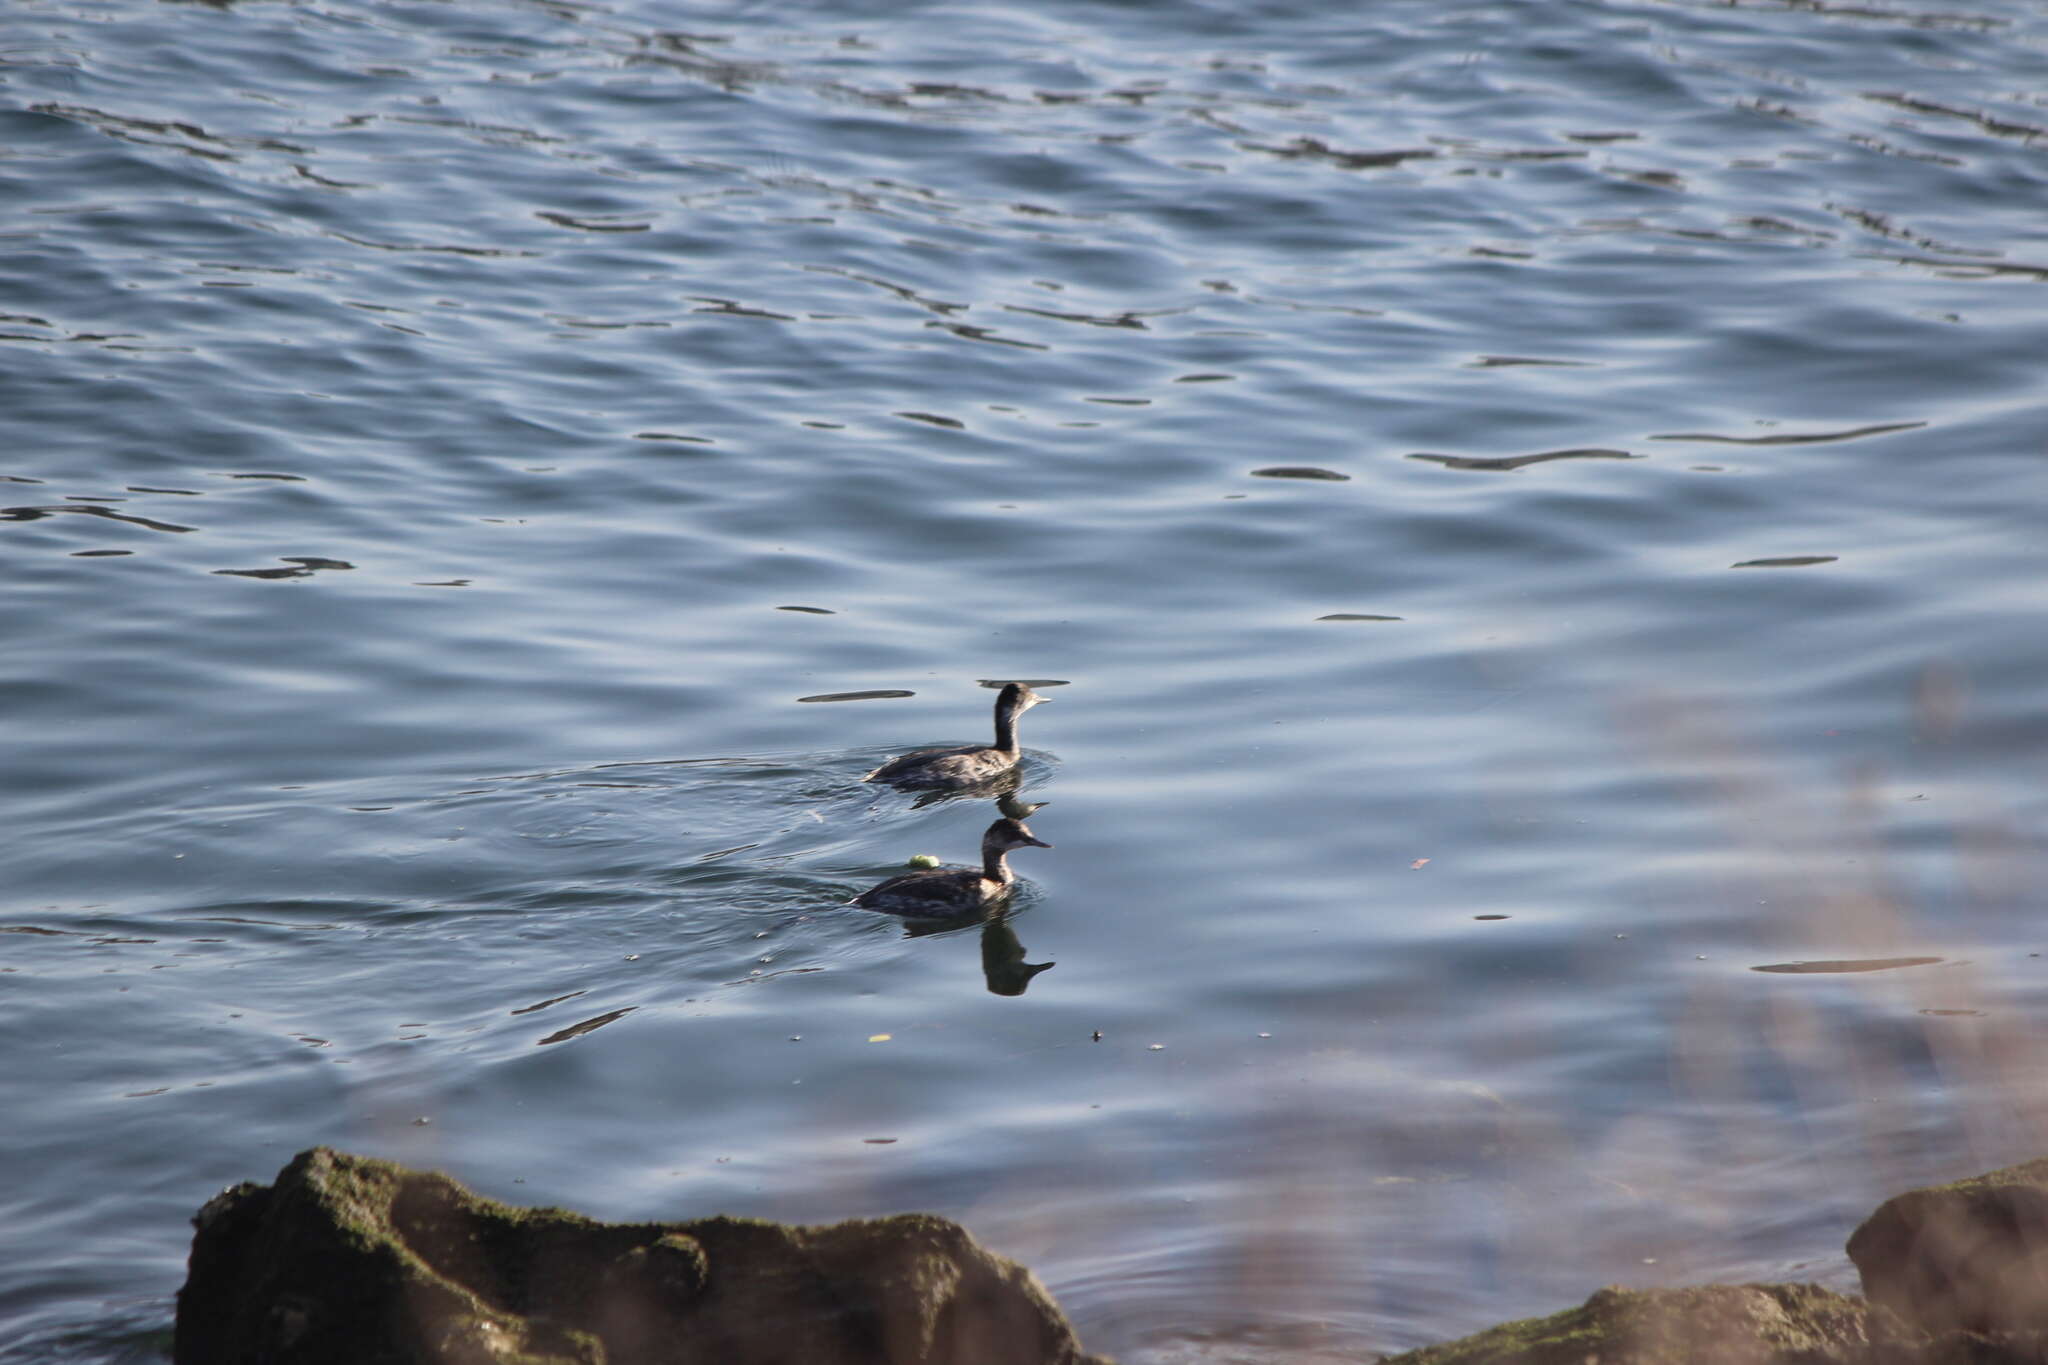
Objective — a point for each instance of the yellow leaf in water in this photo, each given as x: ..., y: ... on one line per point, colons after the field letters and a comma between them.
x: 880, y: 1037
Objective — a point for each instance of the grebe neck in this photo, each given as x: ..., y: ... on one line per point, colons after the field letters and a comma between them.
x: 994, y: 868
x: 1006, y: 727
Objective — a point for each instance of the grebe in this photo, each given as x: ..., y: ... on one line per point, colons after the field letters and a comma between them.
x: 975, y: 763
x: 936, y: 893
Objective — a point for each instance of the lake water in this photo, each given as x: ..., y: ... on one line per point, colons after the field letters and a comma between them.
x: 421, y: 422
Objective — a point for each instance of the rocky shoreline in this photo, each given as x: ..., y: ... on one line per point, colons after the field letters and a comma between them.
x: 1952, y: 1275
x: 348, y: 1260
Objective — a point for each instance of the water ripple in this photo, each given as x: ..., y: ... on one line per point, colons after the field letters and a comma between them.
x: 826, y: 354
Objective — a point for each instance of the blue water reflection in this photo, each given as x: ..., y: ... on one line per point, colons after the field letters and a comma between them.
x: 1535, y: 507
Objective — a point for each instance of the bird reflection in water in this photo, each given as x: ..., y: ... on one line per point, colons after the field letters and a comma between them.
x: 1002, y: 958
x: 1003, y: 788
x: 1002, y: 952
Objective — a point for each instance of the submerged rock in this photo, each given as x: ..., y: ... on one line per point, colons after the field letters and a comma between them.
x: 347, y: 1260
x: 1732, y: 1324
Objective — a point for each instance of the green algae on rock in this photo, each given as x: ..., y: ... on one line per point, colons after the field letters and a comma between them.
x: 348, y: 1260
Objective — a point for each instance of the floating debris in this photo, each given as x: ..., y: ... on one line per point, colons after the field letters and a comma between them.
x: 1791, y: 438
x: 301, y: 566
x: 554, y: 1000
x: 1338, y: 156
x: 1130, y: 320
x: 90, y: 510
x: 1507, y: 462
x: 586, y: 1026
x: 1861, y: 964
x: 1300, y: 471
x: 1785, y: 562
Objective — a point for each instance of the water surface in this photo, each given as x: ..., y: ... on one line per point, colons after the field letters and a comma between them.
x: 1535, y: 505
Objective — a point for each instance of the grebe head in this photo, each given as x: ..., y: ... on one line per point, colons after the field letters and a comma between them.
x: 1016, y: 698
x: 1006, y: 834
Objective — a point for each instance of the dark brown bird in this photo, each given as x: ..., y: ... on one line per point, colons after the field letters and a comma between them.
x: 937, y: 893
x: 971, y: 764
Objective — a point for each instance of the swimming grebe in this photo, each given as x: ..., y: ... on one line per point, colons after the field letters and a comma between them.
x: 964, y: 767
x: 936, y: 893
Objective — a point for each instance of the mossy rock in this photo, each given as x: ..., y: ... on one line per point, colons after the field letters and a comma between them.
x: 1971, y: 1257
x: 347, y: 1260
x: 1748, y: 1324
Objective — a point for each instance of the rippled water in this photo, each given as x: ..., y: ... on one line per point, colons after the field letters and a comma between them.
x: 1537, y: 506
